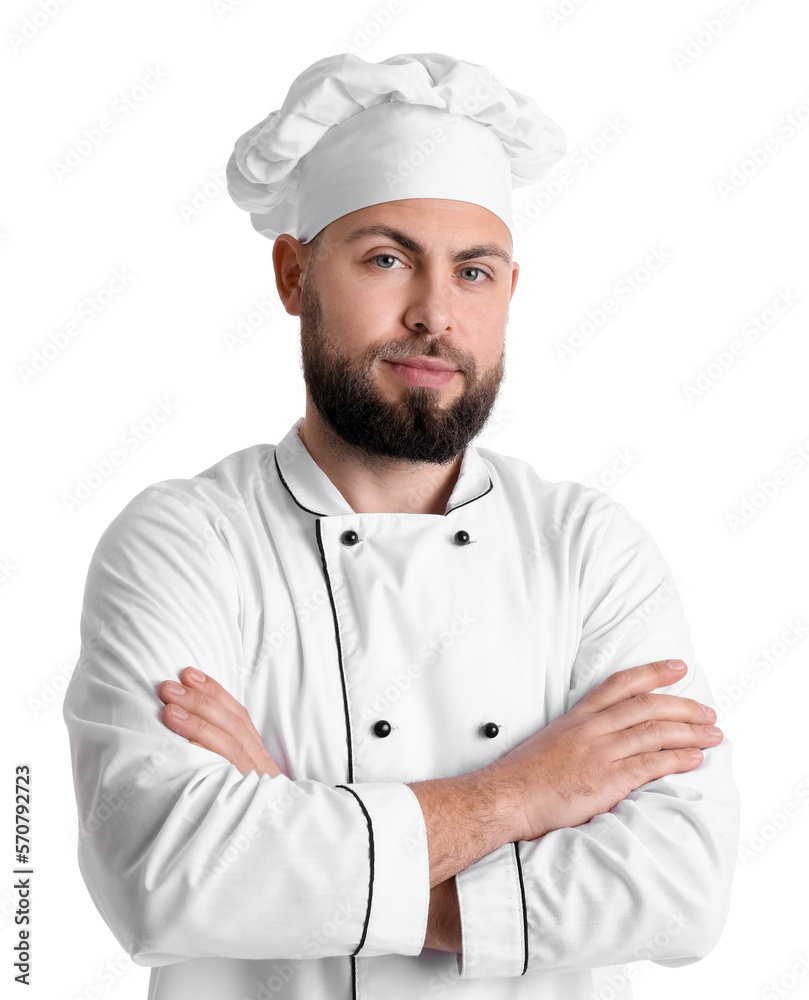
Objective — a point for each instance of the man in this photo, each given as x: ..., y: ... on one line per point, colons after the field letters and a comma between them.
x: 430, y: 736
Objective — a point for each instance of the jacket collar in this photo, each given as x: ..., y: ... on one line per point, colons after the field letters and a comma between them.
x: 312, y: 490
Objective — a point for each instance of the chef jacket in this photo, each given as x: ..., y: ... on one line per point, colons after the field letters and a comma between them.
x: 372, y: 650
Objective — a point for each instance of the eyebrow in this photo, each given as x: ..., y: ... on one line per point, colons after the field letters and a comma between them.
x: 413, y: 245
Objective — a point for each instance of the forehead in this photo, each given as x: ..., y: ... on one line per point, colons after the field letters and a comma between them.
x: 442, y: 212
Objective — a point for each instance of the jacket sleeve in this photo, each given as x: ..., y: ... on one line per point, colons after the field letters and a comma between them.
x: 650, y: 879
x: 184, y: 856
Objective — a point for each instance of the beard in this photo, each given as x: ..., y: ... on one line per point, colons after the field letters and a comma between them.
x: 414, y: 428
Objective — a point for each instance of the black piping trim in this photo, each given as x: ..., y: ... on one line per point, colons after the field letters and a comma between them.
x: 371, y: 876
x: 524, y: 911
x: 489, y: 488
x: 318, y: 513
x: 348, y: 728
x: 286, y: 484
x: 339, y: 649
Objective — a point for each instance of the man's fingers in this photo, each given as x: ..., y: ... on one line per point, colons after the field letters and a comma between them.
x: 212, y: 689
x: 656, y: 764
x: 219, y: 722
x: 210, y: 702
x: 655, y: 735
x: 207, y: 709
x: 209, y: 737
x: 625, y: 684
x: 660, y: 707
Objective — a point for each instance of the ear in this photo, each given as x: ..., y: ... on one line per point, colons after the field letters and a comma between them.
x: 290, y: 259
x: 514, y: 276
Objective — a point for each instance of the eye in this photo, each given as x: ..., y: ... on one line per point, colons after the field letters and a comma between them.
x: 389, y: 257
x: 479, y: 270
x: 385, y: 256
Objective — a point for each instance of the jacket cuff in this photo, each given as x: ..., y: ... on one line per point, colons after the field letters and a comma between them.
x: 491, y: 902
x: 395, y: 921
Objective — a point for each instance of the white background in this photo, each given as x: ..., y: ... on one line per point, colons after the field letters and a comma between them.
x: 689, y: 105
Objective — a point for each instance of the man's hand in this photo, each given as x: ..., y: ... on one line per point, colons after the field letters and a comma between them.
x: 214, y: 721
x: 616, y: 738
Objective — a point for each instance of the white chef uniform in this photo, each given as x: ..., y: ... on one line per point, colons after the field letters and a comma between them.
x: 466, y: 632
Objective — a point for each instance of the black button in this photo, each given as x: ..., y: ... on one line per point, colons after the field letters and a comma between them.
x: 461, y: 538
x: 349, y: 537
x: 382, y: 728
x: 491, y: 729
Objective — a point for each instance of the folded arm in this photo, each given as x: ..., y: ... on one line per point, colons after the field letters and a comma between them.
x: 651, y: 878
x: 171, y: 836
x: 213, y: 719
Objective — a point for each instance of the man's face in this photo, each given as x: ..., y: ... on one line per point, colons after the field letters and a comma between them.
x: 374, y: 298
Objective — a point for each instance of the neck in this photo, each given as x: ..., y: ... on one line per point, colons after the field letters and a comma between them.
x: 374, y: 484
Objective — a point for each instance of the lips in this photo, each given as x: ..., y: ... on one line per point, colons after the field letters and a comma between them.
x: 431, y: 364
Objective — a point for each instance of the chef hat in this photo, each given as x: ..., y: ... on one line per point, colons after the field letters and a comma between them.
x: 352, y: 133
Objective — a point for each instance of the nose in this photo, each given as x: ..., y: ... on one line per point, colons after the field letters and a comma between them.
x: 430, y: 309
